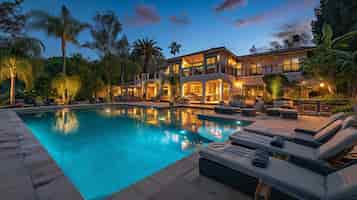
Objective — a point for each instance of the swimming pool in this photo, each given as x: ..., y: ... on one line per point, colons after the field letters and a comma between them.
x: 105, y: 150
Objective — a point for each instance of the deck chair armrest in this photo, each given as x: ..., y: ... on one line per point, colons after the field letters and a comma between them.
x: 304, y: 131
x: 312, y: 144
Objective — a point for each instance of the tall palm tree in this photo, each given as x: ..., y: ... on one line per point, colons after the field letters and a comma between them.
x: 105, y: 34
x: 148, y: 50
x: 64, y: 26
x: 174, y: 48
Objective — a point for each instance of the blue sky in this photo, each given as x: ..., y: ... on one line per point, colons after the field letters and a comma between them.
x: 196, y: 24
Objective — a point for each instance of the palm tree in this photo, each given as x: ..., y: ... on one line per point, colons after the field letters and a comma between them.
x: 148, y: 50
x: 12, y: 67
x: 331, y: 62
x: 64, y: 26
x: 15, y: 62
x: 174, y: 48
x: 105, y: 32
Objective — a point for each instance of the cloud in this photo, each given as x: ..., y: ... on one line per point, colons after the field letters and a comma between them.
x: 288, y: 7
x: 144, y: 14
x: 230, y: 4
x: 180, y: 20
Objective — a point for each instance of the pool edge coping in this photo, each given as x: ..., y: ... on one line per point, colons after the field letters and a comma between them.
x: 37, y: 161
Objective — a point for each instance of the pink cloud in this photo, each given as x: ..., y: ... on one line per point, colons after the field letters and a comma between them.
x: 230, y: 4
x: 144, y: 14
x: 288, y: 7
x: 181, y: 20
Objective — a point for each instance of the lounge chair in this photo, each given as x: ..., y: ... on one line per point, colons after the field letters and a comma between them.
x: 314, y: 140
x: 232, y: 165
x: 309, y: 157
x: 329, y: 121
x: 222, y: 109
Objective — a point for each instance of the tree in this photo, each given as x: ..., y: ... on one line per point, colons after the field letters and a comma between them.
x: 12, y: 20
x: 275, y: 84
x: 341, y: 15
x: 148, y: 51
x: 64, y: 26
x: 66, y: 87
x: 105, y: 34
x: 174, y: 48
x: 329, y: 62
x: 13, y: 68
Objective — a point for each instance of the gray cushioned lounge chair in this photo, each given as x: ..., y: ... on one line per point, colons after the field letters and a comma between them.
x: 232, y: 165
x: 297, y: 131
x: 309, y: 157
x: 329, y: 121
x: 307, y: 139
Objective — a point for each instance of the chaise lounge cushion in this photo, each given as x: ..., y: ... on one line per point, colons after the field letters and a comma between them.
x: 342, y: 184
x: 349, y: 121
x: 329, y: 121
x: 284, y: 176
x: 343, y: 140
x: 258, y: 141
x: 327, y: 133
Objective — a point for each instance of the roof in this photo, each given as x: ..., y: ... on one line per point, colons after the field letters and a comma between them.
x: 279, y: 51
x: 211, y: 50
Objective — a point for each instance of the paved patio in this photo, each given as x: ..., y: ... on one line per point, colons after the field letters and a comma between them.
x: 177, y: 182
x: 28, y: 172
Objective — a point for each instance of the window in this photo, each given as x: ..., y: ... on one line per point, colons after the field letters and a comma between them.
x: 291, y: 65
x: 211, y: 61
x: 176, y: 68
x: 167, y: 70
x: 165, y: 91
x: 197, y: 64
x: 238, y: 69
x: 255, y: 69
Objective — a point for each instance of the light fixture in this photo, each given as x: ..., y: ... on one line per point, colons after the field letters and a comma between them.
x: 322, y: 85
x: 238, y: 122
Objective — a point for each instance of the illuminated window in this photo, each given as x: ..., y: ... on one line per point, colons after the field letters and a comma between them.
x: 291, y: 65
x: 211, y: 61
x: 255, y: 69
x: 295, y: 64
x: 238, y: 69
x: 176, y: 68
x: 167, y: 70
x: 197, y: 64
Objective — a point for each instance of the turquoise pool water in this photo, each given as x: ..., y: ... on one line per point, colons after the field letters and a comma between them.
x: 105, y: 150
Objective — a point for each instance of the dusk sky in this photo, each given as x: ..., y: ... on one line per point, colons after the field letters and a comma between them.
x: 196, y: 24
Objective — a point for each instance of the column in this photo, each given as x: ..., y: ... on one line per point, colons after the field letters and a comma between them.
x: 203, y: 100
x: 220, y: 90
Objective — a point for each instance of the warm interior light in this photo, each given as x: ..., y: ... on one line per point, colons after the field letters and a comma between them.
x: 322, y: 85
x: 238, y: 84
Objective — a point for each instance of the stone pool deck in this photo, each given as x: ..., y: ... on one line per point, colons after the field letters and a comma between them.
x: 28, y: 172
x: 180, y: 181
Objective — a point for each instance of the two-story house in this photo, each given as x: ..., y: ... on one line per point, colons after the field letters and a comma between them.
x: 216, y: 74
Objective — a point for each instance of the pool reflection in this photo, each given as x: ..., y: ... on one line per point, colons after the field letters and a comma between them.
x: 180, y: 118
x: 65, y: 122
